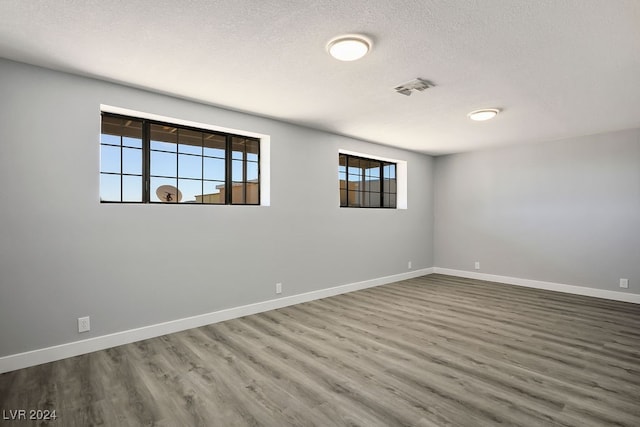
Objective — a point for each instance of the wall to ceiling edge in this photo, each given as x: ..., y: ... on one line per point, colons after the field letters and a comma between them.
x: 64, y: 255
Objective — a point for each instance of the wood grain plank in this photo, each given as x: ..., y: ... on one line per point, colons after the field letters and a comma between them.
x: 430, y: 351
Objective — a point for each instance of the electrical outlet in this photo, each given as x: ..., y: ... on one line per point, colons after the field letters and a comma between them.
x: 278, y: 288
x: 477, y: 266
x: 624, y: 283
x: 84, y: 324
x: 409, y: 265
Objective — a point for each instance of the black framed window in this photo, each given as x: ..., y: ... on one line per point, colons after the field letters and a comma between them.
x: 147, y: 161
x: 366, y: 183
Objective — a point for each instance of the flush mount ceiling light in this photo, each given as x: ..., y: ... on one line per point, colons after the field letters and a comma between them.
x: 482, y: 115
x: 349, y: 47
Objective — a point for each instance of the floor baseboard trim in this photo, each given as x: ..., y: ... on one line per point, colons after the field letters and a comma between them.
x: 551, y: 286
x: 63, y: 351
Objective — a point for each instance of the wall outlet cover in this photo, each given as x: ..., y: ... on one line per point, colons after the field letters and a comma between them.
x: 84, y: 324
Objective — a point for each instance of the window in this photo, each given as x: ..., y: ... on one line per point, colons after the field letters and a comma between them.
x: 366, y: 183
x: 147, y: 161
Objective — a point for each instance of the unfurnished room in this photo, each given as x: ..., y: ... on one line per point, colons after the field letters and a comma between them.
x: 320, y: 213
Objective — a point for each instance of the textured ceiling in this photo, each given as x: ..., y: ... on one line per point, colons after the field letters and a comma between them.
x: 557, y: 68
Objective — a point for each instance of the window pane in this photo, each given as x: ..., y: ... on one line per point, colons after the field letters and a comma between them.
x: 164, y: 194
x: 238, y: 155
x: 238, y: 147
x: 213, y: 192
x: 214, y: 169
x: 109, y: 139
x: 163, y: 146
x: 389, y: 171
x: 354, y: 198
x: 115, y: 127
x: 163, y: 134
x: 253, y: 193
x: 389, y: 186
x: 189, y: 149
x: 109, y: 159
x: 189, y: 166
x: 252, y: 171
x: 354, y: 167
x: 365, y: 181
x: 131, y: 188
x: 237, y: 195
x: 132, y: 132
x: 189, y: 141
x: 132, y: 161
x: 111, y: 129
x: 374, y: 200
x: 389, y: 200
x: 355, y: 182
x: 365, y: 200
x: 373, y: 171
x: 215, y: 145
x: 163, y: 164
x: 109, y: 188
x: 236, y: 168
x: 392, y: 201
x: 370, y: 185
x: 132, y: 142
x: 253, y: 150
x: 191, y: 162
x: 191, y: 190
x: 342, y: 178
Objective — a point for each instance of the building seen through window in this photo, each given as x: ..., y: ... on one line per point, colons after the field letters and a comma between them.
x: 366, y: 183
x: 145, y: 161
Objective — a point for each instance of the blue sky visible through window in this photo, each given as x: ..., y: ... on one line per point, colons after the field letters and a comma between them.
x: 193, y: 169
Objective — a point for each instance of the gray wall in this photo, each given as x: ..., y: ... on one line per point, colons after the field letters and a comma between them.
x: 564, y: 211
x: 64, y: 255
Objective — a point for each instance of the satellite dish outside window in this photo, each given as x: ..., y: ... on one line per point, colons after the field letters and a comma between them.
x: 168, y: 194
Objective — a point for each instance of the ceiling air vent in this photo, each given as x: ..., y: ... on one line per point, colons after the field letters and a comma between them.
x: 417, y: 84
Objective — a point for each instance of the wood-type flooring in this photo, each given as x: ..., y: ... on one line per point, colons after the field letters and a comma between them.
x: 432, y: 351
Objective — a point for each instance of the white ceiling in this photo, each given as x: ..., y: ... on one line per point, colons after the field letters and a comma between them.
x: 557, y: 68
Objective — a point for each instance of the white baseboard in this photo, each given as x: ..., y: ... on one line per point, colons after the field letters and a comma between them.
x: 63, y: 351
x: 570, y: 289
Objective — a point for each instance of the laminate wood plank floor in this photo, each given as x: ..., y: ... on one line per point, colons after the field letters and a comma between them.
x: 431, y: 351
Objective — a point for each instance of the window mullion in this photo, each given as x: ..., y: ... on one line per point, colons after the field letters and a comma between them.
x: 121, y: 166
x: 347, y: 179
x: 363, y: 188
x: 146, y: 162
x: 227, y: 179
x: 363, y: 180
x: 244, y: 172
x: 381, y: 185
x: 143, y: 129
x: 202, y: 166
x: 259, y: 173
x: 177, y: 165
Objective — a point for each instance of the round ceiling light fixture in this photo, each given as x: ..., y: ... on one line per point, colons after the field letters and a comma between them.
x: 349, y: 47
x: 482, y: 115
